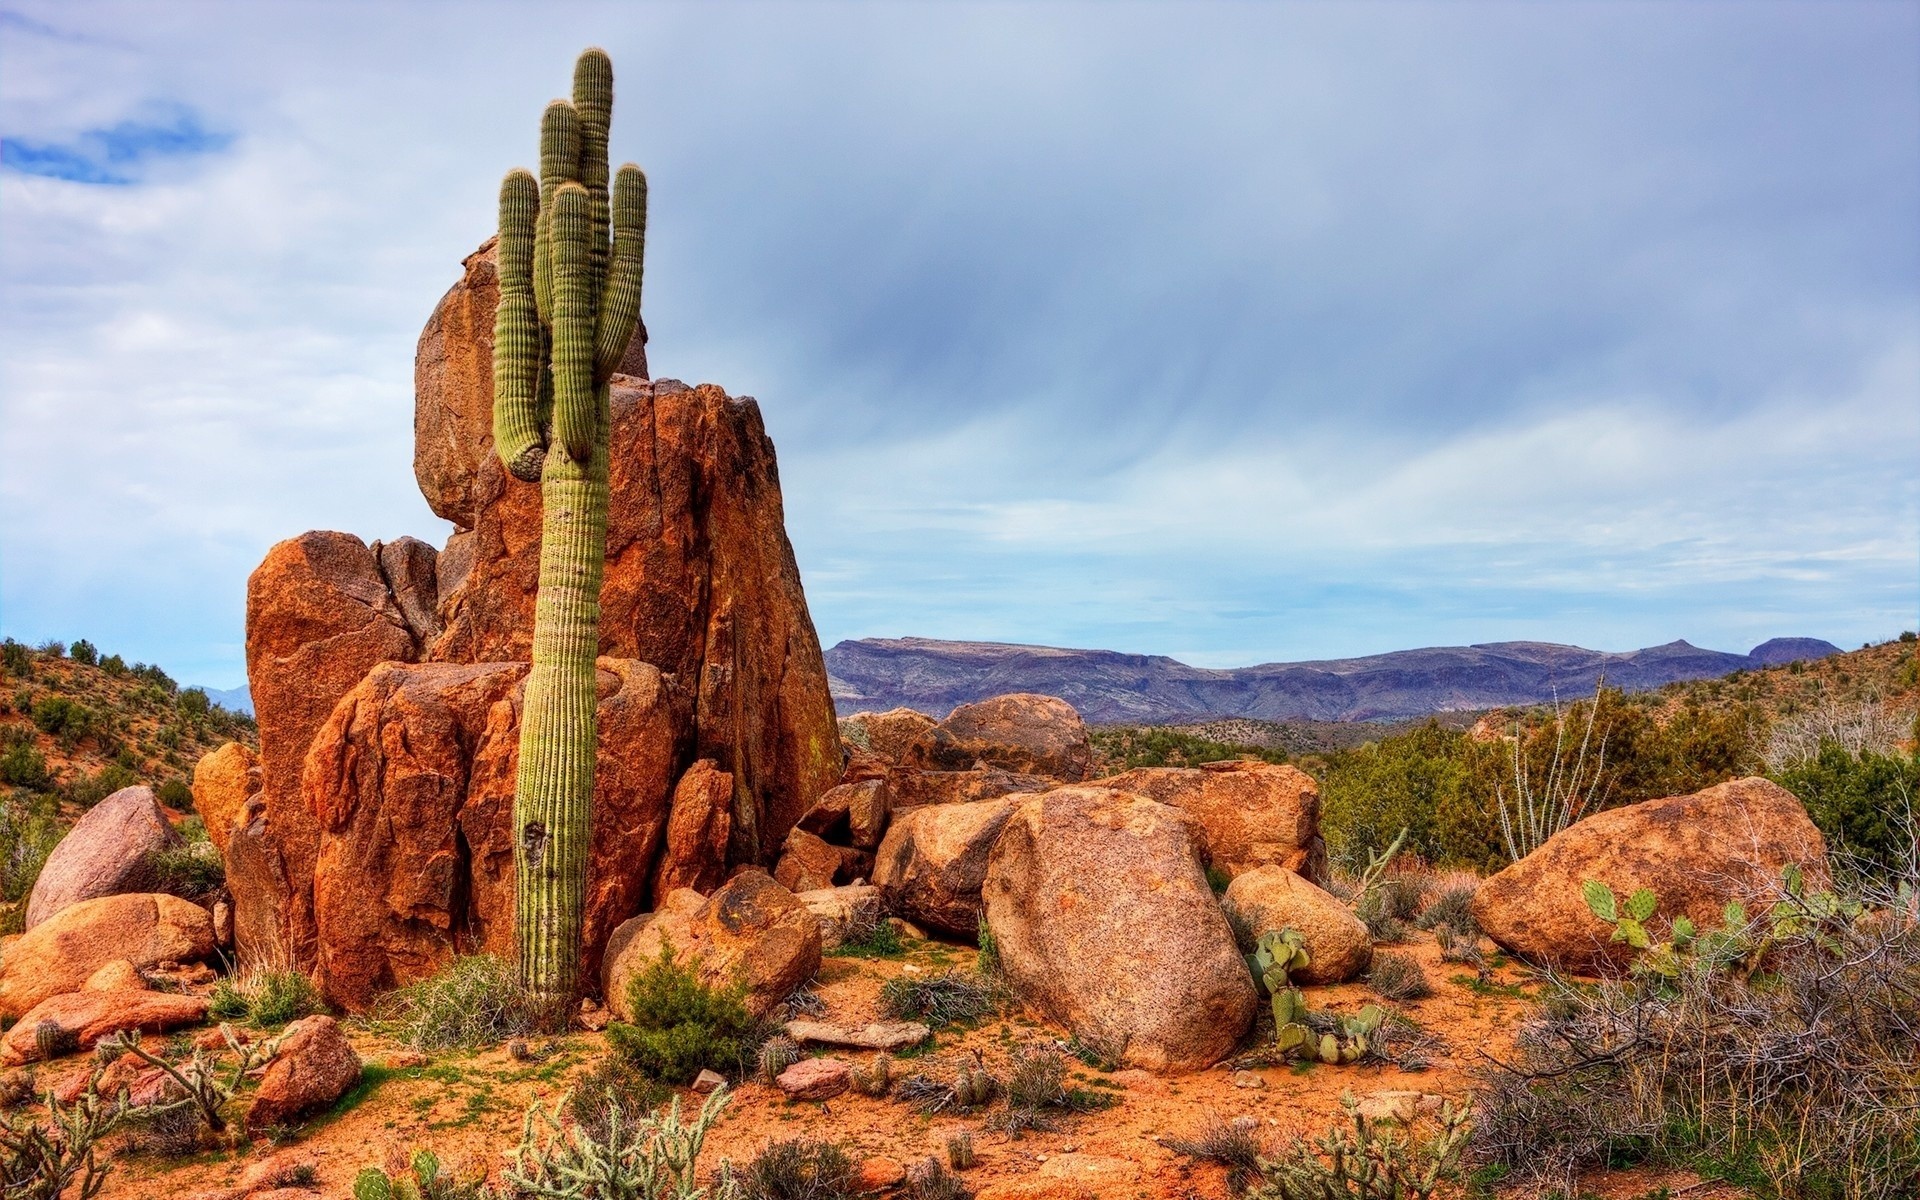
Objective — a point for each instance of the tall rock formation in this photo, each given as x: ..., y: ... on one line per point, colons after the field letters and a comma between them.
x: 701, y: 583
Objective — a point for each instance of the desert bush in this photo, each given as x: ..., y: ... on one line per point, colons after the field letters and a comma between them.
x: 471, y: 1002
x: 1855, y: 728
x: 113, y: 664
x: 1788, y: 1042
x: 84, y: 651
x: 204, y: 1087
x: 1450, y: 903
x: 191, y: 869
x: 89, y: 790
x: 28, y: 834
x: 938, y: 999
x: 61, y: 717
x: 973, y: 1087
x: 176, y: 794
x: 53, y: 648
x: 1232, y: 1144
x: 193, y: 703
x: 611, y: 1083
x: 267, y: 997
x: 875, y: 939
x: 680, y: 1026
x: 1365, y: 1160
x: 1862, y: 800
x: 1122, y: 748
x: 655, y: 1156
x: 41, y: 1158
x: 16, y: 658
x: 1036, y: 1090
x: 1398, y: 977
x: 801, y: 1168
x: 960, y: 1152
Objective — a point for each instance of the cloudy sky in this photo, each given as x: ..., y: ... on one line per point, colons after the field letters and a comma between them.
x: 1233, y: 332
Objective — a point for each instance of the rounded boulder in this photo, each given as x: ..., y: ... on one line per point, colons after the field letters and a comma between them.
x: 1269, y: 899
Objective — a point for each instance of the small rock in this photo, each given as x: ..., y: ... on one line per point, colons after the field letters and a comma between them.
x: 814, y: 1079
x: 1396, y: 1106
x: 314, y: 1067
x: 406, y: 1060
x: 1247, y: 1079
x: 878, y: 1173
x: 116, y: 976
x: 708, y: 1082
x: 880, y: 1035
x: 593, y: 1018
x: 223, y: 924
x: 216, y: 1039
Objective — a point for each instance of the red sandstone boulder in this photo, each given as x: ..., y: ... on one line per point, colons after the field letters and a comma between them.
x: 1269, y: 899
x: 1040, y: 735
x: 752, y: 931
x: 806, y: 863
x: 1104, y: 921
x: 108, y: 852
x: 933, y: 860
x: 699, y: 829
x: 313, y: 1067
x: 1698, y: 852
x: 319, y: 616
x: 88, y: 1015
x: 411, y: 781
x: 1246, y: 814
x: 888, y: 735
x: 854, y: 813
x: 223, y: 781
x: 815, y: 1079
x: 59, y: 954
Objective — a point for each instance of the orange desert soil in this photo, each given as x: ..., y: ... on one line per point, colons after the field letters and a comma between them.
x: 467, y: 1107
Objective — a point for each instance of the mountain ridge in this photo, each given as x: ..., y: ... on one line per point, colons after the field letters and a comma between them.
x: 1110, y: 686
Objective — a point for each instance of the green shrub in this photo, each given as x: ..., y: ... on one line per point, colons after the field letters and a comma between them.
x: 1398, y: 977
x: 53, y: 648
x: 84, y: 651
x: 611, y: 1085
x: 194, y: 703
x: 27, y: 836
x: 190, y: 870
x: 21, y: 765
x: 1127, y: 747
x: 16, y: 658
x: 89, y: 790
x: 1859, y: 801
x: 878, y: 940
x: 61, y: 717
x: 113, y: 664
x: 267, y: 997
x: 176, y: 794
x: 681, y: 1026
x: 800, y: 1168
x: 471, y: 1002
x: 424, y: 1179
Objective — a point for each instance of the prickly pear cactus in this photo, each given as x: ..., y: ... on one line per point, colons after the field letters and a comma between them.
x: 570, y: 260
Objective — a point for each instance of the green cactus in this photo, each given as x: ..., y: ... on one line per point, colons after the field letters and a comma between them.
x: 569, y: 300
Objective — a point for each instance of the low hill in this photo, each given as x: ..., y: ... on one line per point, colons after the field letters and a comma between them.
x: 1112, y: 688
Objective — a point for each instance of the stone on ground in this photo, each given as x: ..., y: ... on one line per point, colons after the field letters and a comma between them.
x: 1104, y: 921
x: 88, y: 1016
x: 815, y: 1079
x: 314, y: 1066
x: 933, y: 860
x: 751, y: 931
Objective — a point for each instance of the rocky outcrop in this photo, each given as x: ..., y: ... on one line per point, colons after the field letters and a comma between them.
x: 1269, y: 899
x: 699, y: 828
x: 411, y: 781
x: 319, y: 617
x: 108, y: 852
x: 313, y: 1067
x: 752, y: 932
x: 855, y: 813
x: 86, y: 1016
x: 1104, y: 921
x: 1696, y: 852
x: 932, y: 862
x: 889, y: 735
x: 59, y: 954
x: 1246, y: 813
x: 807, y: 863
x: 1039, y: 735
x: 223, y: 781
x: 844, y: 913
x: 910, y: 787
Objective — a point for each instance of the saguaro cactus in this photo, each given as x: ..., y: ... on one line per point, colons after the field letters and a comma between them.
x: 569, y: 300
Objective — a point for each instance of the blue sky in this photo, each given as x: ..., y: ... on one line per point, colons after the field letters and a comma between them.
x: 1233, y: 332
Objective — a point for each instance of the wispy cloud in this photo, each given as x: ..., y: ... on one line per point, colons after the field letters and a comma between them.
x: 119, y: 154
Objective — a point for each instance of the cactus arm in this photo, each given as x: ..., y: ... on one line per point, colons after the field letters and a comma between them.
x: 517, y: 357
x: 620, y: 302
x: 574, y: 418
x: 593, y: 100
x: 559, y: 159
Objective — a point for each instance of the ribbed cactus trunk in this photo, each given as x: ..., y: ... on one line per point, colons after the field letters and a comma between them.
x: 568, y: 305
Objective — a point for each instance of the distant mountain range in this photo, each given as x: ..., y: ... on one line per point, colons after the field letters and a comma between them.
x: 238, y: 699
x: 1112, y: 688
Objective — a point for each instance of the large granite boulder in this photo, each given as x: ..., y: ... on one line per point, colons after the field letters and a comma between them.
x: 88, y: 1015
x: 108, y: 852
x: 1039, y: 735
x: 931, y: 864
x: 752, y: 932
x: 910, y: 787
x: 1246, y: 813
x: 1269, y: 899
x: 888, y: 735
x: 61, y: 953
x: 412, y: 780
x: 1729, y: 842
x: 223, y: 781
x: 1099, y: 905
x: 853, y: 813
